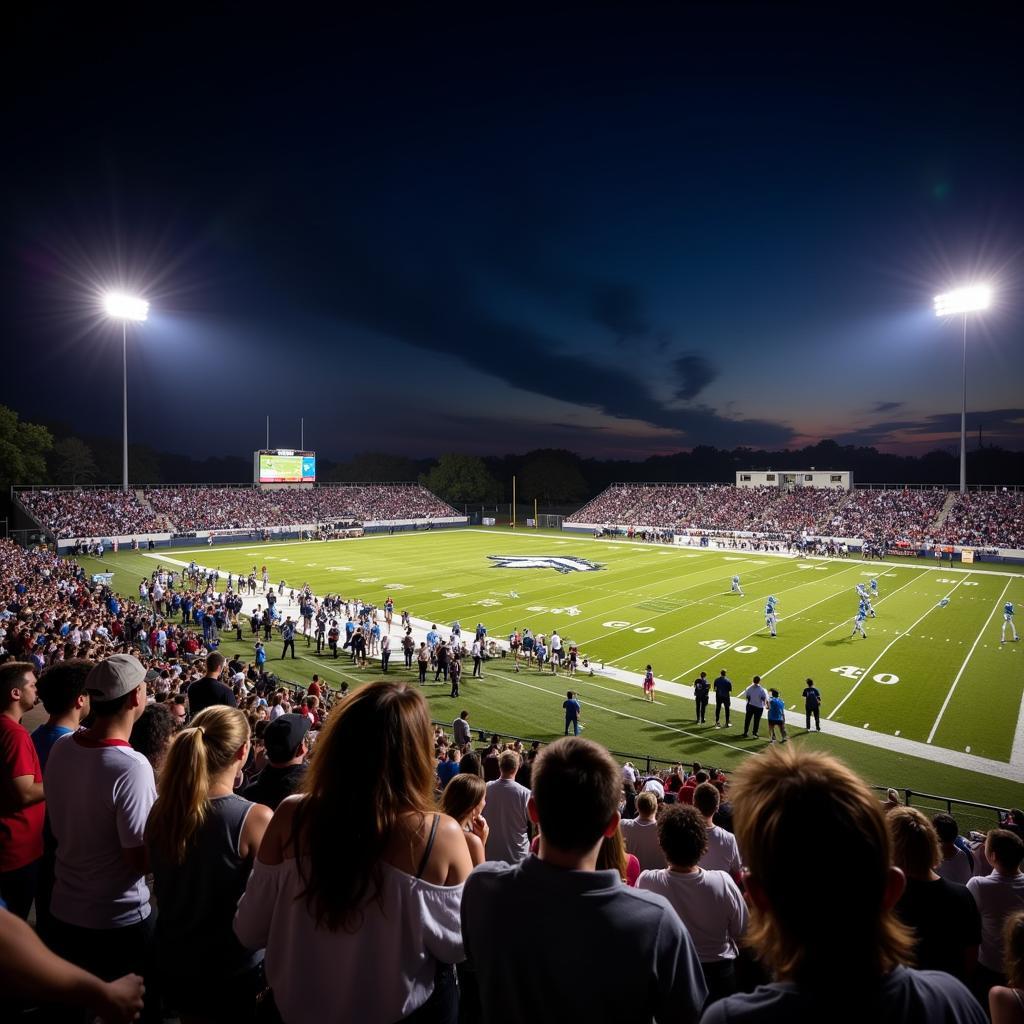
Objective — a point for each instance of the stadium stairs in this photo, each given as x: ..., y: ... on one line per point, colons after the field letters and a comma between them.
x: 940, y: 519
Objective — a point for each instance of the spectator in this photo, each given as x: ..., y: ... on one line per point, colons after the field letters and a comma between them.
x: 1006, y: 1003
x: 29, y: 972
x: 612, y: 933
x: 942, y: 914
x: 285, y: 741
x: 612, y: 855
x: 709, y: 903
x: 202, y: 840
x: 641, y: 833
x: 795, y: 809
x: 333, y: 910
x: 100, y: 792
x: 209, y: 690
x: 509, y: 838
x: 21, y: 797
x: 151, y: 734
x: 757, y: 701
x: 721, y: 853
x: 464, y: 800
x: 62, y: 692
x: 460, y: 729
x: 997, y: 895
x: 956, y: 864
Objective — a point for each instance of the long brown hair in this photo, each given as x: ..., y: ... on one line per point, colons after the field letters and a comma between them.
x: 801, y: 811
x: 612, y: 854
x: 462, y: 795
x: 344, y: 823
x: 194, y: 757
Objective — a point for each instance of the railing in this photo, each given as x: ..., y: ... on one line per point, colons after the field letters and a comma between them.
x: 970, y: 815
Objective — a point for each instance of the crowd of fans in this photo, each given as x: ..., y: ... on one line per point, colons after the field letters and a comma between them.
x: 882, y: 517
x: 85, y: 513
x: 194, y: 839
x: 985, y: 519
x: 103, y: 513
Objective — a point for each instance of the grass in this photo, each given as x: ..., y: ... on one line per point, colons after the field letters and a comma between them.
x: 671, y: 607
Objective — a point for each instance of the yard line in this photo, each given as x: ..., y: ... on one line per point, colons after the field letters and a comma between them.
x: 721, y: 654
x: 837, y: 626
x: 977, y: 639
x: 867, y: 671
x: 747, y: 604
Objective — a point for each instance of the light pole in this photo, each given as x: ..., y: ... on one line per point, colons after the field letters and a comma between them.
x: 960, y: 302
x: 119, y: 306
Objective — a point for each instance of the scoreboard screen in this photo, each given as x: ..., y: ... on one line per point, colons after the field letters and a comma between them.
x: 285, y: 467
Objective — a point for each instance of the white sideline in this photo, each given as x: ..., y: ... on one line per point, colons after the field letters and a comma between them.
x: 897, y: 744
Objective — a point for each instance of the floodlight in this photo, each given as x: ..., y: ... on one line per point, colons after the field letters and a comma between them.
x: 125, y: 307
x: 963, y: 300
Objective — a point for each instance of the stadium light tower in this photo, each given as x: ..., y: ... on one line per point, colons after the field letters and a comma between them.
x: 119, y: 306
x: 960, y: 302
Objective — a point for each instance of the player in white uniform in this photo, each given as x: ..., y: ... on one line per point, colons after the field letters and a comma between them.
x: 1008, y: 621
x: 736, y: 588
x: 771, y: 619
x: 861, y: 591
x: 858, y: 622
x: 866, y: 602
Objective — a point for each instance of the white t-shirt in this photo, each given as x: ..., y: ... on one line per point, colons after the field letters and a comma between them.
x: 997, y: 896
x: 709, y: 903
x: 98, y: 796
x: 642, y: 841
x: 722, y: 853
x: 508, y: 820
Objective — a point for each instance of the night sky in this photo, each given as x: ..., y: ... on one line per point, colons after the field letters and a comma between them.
x: 622, y: 231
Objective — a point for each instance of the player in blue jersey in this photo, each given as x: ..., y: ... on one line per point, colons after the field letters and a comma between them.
x: 1008, y: 621
x: 858, y: 623
x: 736, y: 588
x: 865, y: 603
x: 874, y: 588
x: 770, y: 618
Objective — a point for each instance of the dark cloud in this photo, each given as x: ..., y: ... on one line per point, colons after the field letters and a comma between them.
x: 998, y: 425
x: 619, y: 308
x: 694, y: 373
x: 887, y: 406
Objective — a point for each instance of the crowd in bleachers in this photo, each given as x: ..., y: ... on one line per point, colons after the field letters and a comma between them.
x: 883, y: 517
x: 985, y: 519
x: 195, y: 839
x: 107, y: 513
x: 90, y: 513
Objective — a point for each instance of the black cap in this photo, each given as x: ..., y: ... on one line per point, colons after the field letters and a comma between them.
x: 283, y: 736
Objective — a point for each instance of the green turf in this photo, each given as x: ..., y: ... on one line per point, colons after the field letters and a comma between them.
x: 672, y: 608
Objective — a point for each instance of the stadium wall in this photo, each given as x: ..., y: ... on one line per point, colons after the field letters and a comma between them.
x: 294, y: 532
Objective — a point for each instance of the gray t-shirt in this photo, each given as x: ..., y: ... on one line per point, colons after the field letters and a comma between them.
x: 904, y: 996
x: 505, y: 810
x: 620, y: 955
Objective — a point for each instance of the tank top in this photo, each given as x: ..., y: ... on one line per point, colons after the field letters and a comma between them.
x: 197, y: 899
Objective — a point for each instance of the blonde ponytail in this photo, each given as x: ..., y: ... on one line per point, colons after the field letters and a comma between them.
x: 195, y: 756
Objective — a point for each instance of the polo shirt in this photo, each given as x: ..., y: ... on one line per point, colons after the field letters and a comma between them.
x: 98, y: 796
x: 723, y: 853
x: 606, y: 932
x: 21, y: 829
x: 207, y: 692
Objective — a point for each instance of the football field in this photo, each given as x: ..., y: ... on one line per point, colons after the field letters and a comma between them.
x: 930, y: 700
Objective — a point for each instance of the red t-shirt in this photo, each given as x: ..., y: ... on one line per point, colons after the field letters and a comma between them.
x: 21, y: 830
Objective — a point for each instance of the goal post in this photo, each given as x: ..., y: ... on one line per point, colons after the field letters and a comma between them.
x: 547, y: 522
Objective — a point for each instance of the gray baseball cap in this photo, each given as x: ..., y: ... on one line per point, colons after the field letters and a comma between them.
x: 114, y: 677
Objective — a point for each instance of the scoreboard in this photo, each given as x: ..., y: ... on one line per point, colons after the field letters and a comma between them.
x: 284, y: 466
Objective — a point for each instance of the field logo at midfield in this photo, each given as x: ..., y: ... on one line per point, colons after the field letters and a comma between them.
x: 560, y: 563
